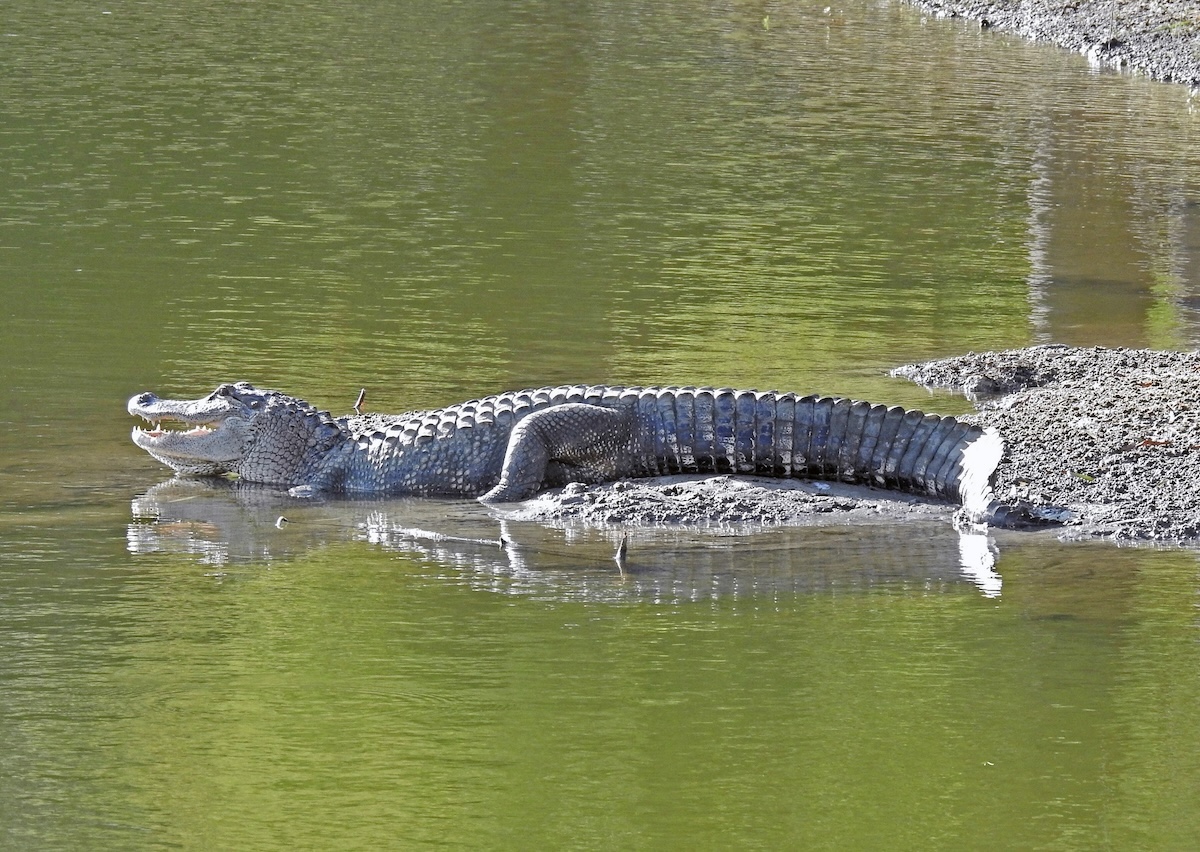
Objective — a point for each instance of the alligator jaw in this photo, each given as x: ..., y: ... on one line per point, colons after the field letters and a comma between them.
x: 210, y: 447
x: 158, y: 436
x: 199, y: 451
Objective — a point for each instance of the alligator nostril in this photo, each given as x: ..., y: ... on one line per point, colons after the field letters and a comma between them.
x: 145, y: 398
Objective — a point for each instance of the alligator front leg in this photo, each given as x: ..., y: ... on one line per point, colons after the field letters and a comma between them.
x: 579, y: 442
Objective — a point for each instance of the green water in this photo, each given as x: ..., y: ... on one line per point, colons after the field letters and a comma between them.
x: 435, y: 201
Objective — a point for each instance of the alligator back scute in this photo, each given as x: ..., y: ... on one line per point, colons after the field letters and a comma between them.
x: 839, y: 415
x: 937, y: 452
x: 722, y: 442
x: 935, y: 472
x: 652, y: 416
x: 953, y: 473
x: 685, y: 429
x: 911, y: 426
x: 856, y: 415
x: 930, y: 456
x: 856, y: 422
x: 950, y: 476
x: 744, y: 433
x: 889, y: 429
x: 872, y: 426
x: 818, y: 438
x: 502, y: 414
x: 705, y: 431
x: 947, y: 477
x: 916, y: 443
x: 910, y: 421
x: 724, y: 414
x: 668, y: 434
x: 802, y: 429
x: 428, y: 428
x: 937, y: 460
x: 856, y: 426
x: 815, y: 433
x: 522, y: 400
x: 920, y: 456
x: 766, y: 456
x: 782, y: 431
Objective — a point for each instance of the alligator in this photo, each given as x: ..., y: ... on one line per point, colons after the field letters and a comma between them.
x: 510, y: 446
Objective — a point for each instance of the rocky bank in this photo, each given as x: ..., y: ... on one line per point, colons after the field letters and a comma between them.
x: 1112, y: 434
x: 1158, y: 38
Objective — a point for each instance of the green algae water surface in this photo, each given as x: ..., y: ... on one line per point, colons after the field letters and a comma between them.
x: 436, y: 201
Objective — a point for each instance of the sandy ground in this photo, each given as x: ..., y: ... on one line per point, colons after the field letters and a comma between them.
x: 1158, y: 38
x: 1112, y: 435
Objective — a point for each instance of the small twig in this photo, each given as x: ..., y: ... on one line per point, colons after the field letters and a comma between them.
x: 622, y: 550
x: 416, y: 534
x: 362, y: 394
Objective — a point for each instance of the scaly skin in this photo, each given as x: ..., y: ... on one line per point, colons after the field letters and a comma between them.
x: 512, y: 445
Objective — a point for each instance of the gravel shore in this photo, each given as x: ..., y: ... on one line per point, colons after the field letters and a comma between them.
x: 1111, y: 434
x: 1158, y: 38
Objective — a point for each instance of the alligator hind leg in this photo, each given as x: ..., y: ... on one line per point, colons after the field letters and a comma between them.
x: 569, y: 442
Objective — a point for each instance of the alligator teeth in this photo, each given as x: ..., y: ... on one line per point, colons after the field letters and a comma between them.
x: 156, y: 430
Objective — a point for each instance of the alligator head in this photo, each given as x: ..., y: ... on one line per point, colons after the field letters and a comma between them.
x: 260, y: 435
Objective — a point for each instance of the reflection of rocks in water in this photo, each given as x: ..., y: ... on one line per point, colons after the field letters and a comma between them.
x: 227, y: 523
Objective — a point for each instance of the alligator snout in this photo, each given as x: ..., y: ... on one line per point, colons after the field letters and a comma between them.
x: 138, y: 404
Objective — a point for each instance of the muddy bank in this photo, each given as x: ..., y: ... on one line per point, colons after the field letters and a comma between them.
x: 1113, y: 435
x: 726, y: 501
x: 1158, y: 38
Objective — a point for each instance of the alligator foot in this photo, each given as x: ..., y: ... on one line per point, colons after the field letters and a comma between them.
x: 572, y: 442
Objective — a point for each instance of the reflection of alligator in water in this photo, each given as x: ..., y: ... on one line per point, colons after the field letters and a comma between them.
x: 226, y: 523
x: 510, y: 446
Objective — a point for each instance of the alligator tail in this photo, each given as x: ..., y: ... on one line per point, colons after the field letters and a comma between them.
x: 702, y: 430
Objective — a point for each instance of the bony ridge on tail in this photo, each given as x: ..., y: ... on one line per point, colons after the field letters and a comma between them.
x: 510, y: 446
